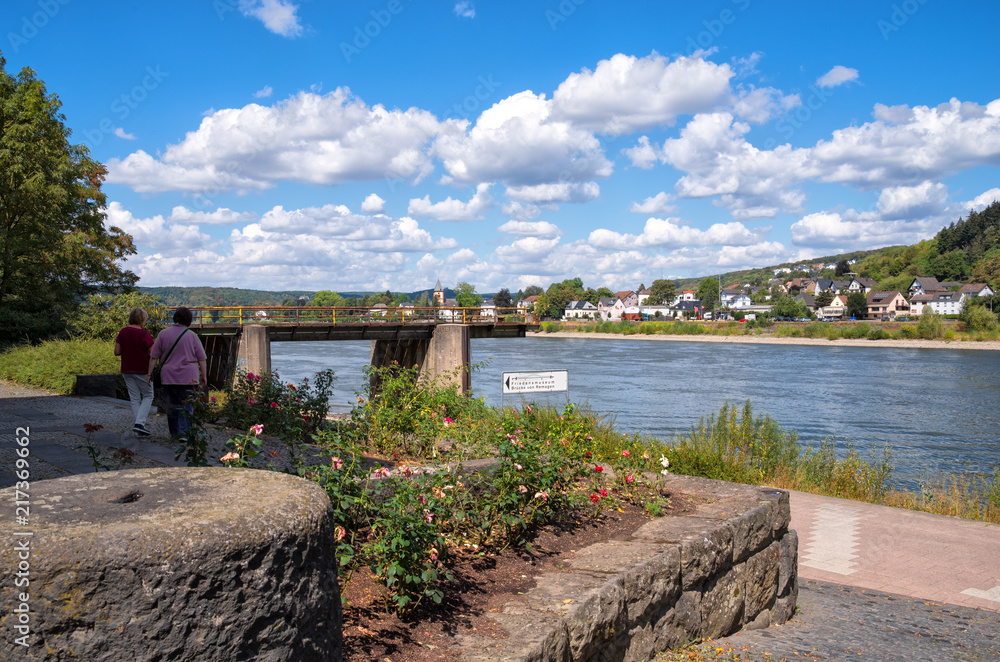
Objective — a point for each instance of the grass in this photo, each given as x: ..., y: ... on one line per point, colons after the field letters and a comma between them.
x: 54, y: 364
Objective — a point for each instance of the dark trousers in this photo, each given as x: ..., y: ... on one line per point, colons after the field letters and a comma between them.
x: 177, y: 411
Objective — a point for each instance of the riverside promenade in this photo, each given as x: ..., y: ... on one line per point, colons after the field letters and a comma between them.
x: 877, y: 583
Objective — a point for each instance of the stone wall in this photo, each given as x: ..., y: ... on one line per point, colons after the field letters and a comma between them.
x: 729, y: 564
x: 173, y: 564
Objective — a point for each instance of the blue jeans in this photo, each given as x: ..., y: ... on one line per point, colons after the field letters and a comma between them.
x: 177, y: 411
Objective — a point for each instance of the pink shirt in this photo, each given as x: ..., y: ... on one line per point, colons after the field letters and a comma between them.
x: 182, y: 365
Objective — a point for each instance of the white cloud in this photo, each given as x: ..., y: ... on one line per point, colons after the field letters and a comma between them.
x: 625, y: 93
x: 278, y: 16
x: 264, y: 92
x: 156, y: 233
x: 315, y: 139
x: 983, y: 200
x: 661, y: 203
x: 520, y: 212
x: 542, y: 194
x: 909, y: 202
x: 853, y: 230
x: 837, y: 76
x: 451, y: 209
x: 667, y: 233
x: 540, y: 229
x: 373, y: 204
x: 517, y: 141
x: 465, y: 9
x: 221, y: 216
x: 758, y: 105
x: 120, y: 132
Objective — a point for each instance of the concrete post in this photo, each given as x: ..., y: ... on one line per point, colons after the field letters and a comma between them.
x: 254, y: 354
x: 448, y: 356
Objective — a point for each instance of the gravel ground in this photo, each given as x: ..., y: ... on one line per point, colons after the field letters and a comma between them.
x: 837, y: 622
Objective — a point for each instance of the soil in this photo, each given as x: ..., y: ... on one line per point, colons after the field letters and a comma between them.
x: 482, y: 585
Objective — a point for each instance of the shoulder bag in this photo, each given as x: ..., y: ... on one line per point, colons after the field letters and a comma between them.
x: 157, y: 377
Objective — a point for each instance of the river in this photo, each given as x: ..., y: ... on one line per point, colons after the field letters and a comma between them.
x: 937, y: 409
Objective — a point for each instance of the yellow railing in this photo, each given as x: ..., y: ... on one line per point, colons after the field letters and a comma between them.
x: 300, y: 315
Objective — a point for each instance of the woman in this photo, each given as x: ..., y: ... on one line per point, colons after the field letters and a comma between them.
x: 132, y: 344
x: 182, y: 369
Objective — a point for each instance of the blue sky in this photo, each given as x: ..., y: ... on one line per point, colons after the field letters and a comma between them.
x: 294, y: 144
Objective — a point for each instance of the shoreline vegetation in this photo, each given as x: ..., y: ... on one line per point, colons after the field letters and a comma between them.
x: 820, y: 334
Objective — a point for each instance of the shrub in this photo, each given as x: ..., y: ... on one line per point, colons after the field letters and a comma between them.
x: 286, y: 410
x: 978, y: 318
x: 53, y: 365
x: 103, y: 315
x: 930, y: 325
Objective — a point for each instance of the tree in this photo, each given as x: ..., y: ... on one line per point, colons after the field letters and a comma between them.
x: 708, y: 292
x: 662, y: 292
x: 786, y: 306
x: 465, y: 295
x: 102, y: 316
x: 54, y: 247
x: 326, y: 298
x: 842, y: 269
x: 824, y: 299
x: 502, y: 299
x: 857, y: 305
x: 529, y: 291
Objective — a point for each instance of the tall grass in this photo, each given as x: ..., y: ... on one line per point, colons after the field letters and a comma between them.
x: 53, y: 365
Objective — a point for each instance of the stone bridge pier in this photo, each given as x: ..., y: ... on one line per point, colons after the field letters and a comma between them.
x: 442, y: 354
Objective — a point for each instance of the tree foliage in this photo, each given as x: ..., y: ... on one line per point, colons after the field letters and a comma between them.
x: 502, y: 299
x: 54, y: 247
x: 708, y: 292
x: 101, y: 316
x: 465, y: 295
x: 857, y: 305
x: 662, y: 292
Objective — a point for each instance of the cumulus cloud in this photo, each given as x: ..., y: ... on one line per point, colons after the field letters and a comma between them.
x: 540, y: 229
x: 315, y: 139
x: 837, y: 76
x: 278, y: 16
x: 661, y: 203
x: 909, y: 202
x: 983, y: 200
x: 668, y: 233
x: 264, y: 92
x: 157, y: 233
x: 465, y: 9
x: 120, y: 132
x: 221, y: 216
x: 453, y: 210
x: 856, y: 230
x: 542, y: 194
x: 517, y: 141
x: 625, y: 93
x: 373, y: 204
x: 519, y: 211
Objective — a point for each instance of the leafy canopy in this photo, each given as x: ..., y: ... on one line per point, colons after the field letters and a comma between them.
x: 54, y: 247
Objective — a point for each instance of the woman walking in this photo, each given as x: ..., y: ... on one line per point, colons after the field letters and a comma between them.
x: 182, y: 368
x: 132, y: 345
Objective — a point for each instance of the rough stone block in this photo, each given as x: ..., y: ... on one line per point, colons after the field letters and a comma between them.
x: 706, y: 545
x: 781, y: 515
x: 722, y: 603
x: 652, y: 587
x: 788, y: 563
x: 751, y: 531
x: 193, y: 563
x: 761, y: 581
x: 597, y: 621
x: 91, y: 385
x: 784, y: 607
x: 532, y: 637
x: 680, y: 624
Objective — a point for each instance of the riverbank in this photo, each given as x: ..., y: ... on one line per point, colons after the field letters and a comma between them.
x: 988, y: 345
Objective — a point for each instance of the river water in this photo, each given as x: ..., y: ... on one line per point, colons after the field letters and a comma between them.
x: 937, y: 409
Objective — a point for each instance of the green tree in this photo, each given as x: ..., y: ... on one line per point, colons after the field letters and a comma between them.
x: 824, y: 299
x: 327, y: 298
x: 102, y: 316
x: 502, y: 299
x: 857, y: 305
x: 54, y: 247
x: 662, y: 292
x: 786, y: 306
x: 978, y: 317
x: 842, y: 269
x: 465, y: 295
x: 708, y: 292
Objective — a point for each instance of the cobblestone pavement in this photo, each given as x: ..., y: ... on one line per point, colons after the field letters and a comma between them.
x: 837, y: 622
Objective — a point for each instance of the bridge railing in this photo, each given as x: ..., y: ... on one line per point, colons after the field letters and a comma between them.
x: 304, y: 315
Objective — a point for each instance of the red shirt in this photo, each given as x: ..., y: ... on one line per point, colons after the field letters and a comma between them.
x: 134, y: 344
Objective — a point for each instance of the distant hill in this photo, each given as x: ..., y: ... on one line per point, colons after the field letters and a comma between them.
x: 234, y: 296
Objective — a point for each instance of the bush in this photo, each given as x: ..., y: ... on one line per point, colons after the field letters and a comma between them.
x: 53, y: 365
x: 20, y: 325
x: 285, y: 410
x: 978, y: 319
x: 103, y: 315
x: 930, y: 326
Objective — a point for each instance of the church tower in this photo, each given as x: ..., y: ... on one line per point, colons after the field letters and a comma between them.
x: 439, y: 293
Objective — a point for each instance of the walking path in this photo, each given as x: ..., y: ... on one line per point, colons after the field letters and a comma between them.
x: 877, y: 583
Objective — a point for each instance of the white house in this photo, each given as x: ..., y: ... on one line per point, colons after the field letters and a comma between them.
x: 610, y: 308
x: 977, y: 290
x: 942, y: 303
x: 580, y: 309
x: 686, y: 295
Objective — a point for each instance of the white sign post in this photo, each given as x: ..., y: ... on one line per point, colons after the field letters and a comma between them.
x: 536, y: 381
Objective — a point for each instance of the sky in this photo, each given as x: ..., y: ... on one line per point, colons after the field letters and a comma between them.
x: 387, y: 144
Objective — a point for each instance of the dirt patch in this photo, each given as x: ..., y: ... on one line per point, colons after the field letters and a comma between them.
x: 483, y: 584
